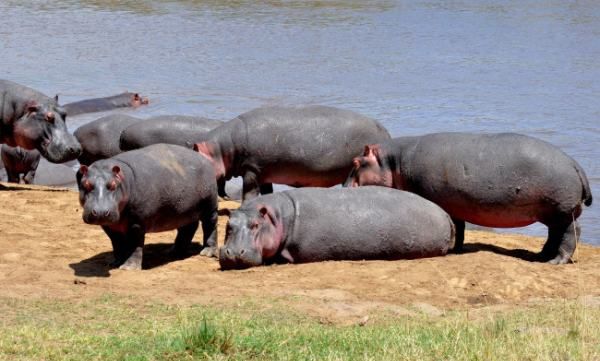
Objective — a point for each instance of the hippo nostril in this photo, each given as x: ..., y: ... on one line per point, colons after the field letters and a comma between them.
x: 242, y: 252
x: 94, y: 213
x: 107, y: 213
x: 227, y: 252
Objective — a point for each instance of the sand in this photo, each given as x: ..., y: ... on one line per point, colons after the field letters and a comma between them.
x: 46, y: 251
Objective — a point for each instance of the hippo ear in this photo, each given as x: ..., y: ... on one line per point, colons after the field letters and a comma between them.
x: 267, y: 214
x: 117, y: 173
x: 32, y: 106
x: 356, y: 163
x: 56, y: 98
x: 83, y: 170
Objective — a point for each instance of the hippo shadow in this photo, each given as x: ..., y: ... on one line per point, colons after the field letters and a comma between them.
x: 155, y: 255
x: 516, y: 253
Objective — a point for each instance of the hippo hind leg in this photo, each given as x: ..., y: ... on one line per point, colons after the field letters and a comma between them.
x: 460, y: 235
x: 561, y: 243
x: 183, y: 240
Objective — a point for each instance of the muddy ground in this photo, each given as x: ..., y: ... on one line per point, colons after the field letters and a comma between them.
x: 46, y: 251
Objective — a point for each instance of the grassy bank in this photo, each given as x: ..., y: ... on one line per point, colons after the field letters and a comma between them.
x: 116, y: 328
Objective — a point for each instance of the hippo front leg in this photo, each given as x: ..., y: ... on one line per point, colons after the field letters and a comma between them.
x: 459, y: 226
x: 561, y: 243
x: 251, y: 187
x: 221, y: 189
x: 135, y: 241
x: 209, y: 233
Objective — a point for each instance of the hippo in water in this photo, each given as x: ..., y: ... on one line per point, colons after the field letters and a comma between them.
x: 32, y: 120
x: 309, y: 146
x: 19, y: 161
x: 123, y: 100
x: 318, y: 224
x: 492, y: 180
x: 154, y: 189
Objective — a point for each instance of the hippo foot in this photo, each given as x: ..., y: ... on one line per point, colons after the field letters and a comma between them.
x: 134, y: 262
x: 560, y: 259
x: 209, y: 252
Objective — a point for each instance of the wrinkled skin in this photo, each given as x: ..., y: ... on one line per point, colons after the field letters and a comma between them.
x: 31, y: 120
x: 124, y: 100
x: 19, y: 161
x: 492, y: 180
x: 309, y: 146
x: 100, y: 138
x: 155, y: 189
x: 317, y: 224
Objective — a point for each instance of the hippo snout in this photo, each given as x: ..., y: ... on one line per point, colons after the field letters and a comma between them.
x: 237, y: 259
x: 100, y: 216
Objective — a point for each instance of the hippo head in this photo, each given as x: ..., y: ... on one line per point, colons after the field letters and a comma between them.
x: 101, y: 193
x: 43, y: 127
x: 369, y: 169
x: 253, y: 236
x: 137, y: 100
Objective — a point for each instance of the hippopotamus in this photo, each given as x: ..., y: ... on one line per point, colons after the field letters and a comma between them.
x: 32, y: 120
x: 491, y: 180
x: 319, y: 224
x: 170, y: 129
x: 296, y: 146
x: 100, y: 138
x: 95, y: 105
x: 19, y: 161
x: 57, y: 175
x: 154, y: 189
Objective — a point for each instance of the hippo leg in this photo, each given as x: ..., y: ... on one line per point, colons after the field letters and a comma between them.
x: 251, y: 188
x: 209, y: 233
x: 561, y: 243
x: 460, y: 235
x: 183, y: 240
x: 221, y: 189
x: 121, y: 251
x: 13, y: 177
x: 135, y: 242
x: 266, y: 188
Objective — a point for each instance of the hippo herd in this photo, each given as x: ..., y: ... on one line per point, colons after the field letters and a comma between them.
x: 403, y: 198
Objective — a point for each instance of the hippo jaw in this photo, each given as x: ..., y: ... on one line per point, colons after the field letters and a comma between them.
x: 43, y: 127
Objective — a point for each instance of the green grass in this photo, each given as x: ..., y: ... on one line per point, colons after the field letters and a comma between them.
x: 113, y: 328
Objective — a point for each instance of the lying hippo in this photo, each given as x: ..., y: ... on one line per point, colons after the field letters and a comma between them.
x: 19, y: 161
x: 317, y: 224
x: 492, y: 180
x: 32, y: 120
x: 95, y: 105
x: 296, y: 146
x: 155, y: 189
x: 100, y: 138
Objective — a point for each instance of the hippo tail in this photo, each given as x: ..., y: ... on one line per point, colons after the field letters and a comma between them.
x: 586, y: 195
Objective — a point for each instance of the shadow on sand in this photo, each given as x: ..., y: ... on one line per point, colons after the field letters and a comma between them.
x: 516, y: 253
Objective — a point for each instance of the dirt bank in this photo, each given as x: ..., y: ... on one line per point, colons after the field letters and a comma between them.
x: 47, y: 251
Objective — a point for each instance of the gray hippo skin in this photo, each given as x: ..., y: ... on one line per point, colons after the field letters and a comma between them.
x: 19, y: 161
x: 155, y: 189
x: 170, y: 129
x: 100, y: 138
x: 491, y: 180
x: 318, y: 224
x: 31, y: 120
x: 310, y: 146
x: 123, y: 100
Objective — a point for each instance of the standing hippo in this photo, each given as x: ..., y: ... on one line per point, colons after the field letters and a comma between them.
x: 154, y: 189
x: 317, y: 224
x: 492, y: 180
x: 100, y: 138
x: 32, y: 120
x: 95, y: 105
x: 19, y: 161
x: 297, y: 146
x: 170, y: 129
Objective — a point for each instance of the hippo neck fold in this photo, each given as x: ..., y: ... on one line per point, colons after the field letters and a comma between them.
x: 289, y: 211
x: 397, y: 158
x: 226, y: 148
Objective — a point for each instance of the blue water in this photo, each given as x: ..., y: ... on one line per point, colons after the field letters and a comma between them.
x: 485, y: 66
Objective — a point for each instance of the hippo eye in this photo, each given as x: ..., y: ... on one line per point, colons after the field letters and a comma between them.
x: 112, y: 185
x: 254, y: 226
x: 87, y: 185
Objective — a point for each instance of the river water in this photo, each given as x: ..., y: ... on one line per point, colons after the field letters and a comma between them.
x: 418, y: 66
